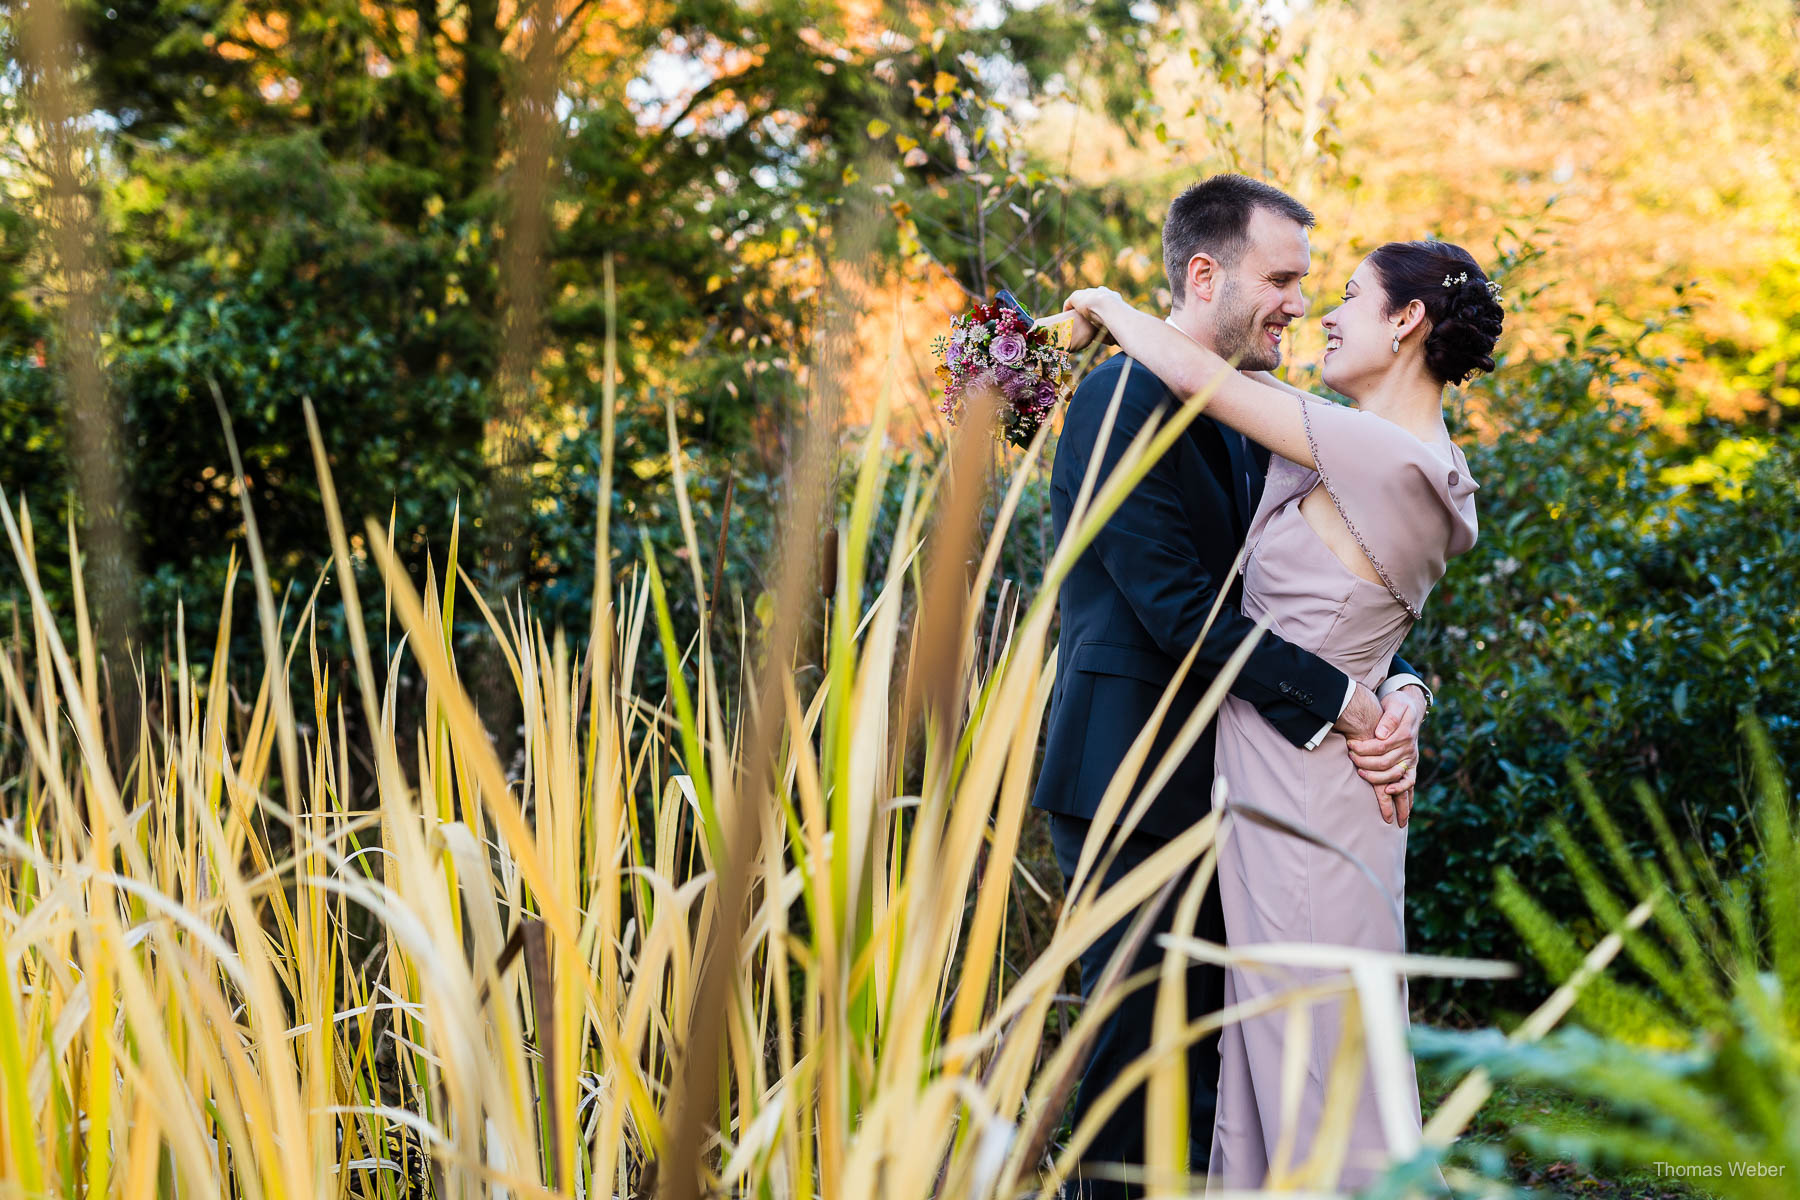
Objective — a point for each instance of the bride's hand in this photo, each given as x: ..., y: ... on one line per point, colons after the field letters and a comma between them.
x: 1088, y: 305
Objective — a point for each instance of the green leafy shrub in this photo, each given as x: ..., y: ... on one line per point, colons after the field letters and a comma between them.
x: 1608, y: 614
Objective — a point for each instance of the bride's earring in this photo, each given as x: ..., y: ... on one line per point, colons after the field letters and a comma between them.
x: 1396, y: 343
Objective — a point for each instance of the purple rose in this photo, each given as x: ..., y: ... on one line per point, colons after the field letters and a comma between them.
x: 954, y: 354
x: 1009, y: 347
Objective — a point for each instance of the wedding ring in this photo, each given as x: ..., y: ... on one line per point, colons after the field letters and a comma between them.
x: 1405, y: 765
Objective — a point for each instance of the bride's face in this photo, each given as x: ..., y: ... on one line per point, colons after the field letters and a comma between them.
x: 1359, y: 336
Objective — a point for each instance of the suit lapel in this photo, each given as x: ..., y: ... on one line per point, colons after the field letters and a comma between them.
x: 1238, y: 451
x: 1259, y: 475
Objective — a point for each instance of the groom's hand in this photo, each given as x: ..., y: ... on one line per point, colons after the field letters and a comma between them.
x: 1361, y: 716
x: 1388, y: 760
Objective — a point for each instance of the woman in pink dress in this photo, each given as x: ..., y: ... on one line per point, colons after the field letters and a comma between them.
x: 1363, y: 508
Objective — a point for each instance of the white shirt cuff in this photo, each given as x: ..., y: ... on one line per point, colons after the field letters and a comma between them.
x: 1394, y: 683
x: 1349, y: 695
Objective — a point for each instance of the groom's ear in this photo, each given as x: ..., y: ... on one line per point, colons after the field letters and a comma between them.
x: 1202, y: 277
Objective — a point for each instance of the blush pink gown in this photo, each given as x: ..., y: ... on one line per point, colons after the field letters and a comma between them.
x: 1411, y: 508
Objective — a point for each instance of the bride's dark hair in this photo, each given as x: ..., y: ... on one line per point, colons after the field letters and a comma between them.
x: 1464, y: 314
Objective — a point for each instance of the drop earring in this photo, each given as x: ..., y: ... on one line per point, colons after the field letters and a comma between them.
x: 1396, y: 343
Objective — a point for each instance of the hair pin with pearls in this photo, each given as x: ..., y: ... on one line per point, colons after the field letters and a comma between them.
x: 1493, y: 289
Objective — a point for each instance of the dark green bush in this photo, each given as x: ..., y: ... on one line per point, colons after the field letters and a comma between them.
x: 1608, y: 614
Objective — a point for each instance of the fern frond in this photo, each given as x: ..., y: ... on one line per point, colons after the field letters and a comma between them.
x: 1780, y: 873
x: 1695, y: 899
x: 1608, y: 829
x: 1610, y: 911
x: 1604, y: 1003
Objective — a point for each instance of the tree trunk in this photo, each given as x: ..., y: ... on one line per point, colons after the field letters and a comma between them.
x: 481, y: 94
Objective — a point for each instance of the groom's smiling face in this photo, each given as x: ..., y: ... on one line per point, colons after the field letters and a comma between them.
x: 1256, y: 298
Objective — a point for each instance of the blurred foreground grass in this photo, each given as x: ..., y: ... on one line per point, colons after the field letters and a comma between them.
x: 741, y: 938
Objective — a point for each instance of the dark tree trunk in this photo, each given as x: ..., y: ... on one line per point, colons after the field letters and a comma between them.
x: 481, y: 94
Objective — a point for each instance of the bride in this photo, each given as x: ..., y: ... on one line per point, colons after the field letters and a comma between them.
x: 1363, y: 508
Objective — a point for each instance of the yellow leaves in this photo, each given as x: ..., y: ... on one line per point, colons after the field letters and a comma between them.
x: 878, y: 127
x: 1725, y: 469
x: 944, y: 84
x: 905, y: 144
x: 760, y: 251
x: 713, y: 283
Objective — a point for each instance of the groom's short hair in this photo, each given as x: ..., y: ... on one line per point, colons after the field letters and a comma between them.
x: 1213, y: 218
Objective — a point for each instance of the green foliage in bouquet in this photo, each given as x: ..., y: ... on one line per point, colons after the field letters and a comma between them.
x: 1694, y: 1054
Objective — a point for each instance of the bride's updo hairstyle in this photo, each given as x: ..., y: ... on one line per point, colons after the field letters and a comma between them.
x: 1461, y: 307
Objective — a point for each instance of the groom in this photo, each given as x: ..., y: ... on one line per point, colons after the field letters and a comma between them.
x: 1235, y: 251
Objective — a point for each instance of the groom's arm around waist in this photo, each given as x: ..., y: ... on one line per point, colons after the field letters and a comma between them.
x: 1149, y: 550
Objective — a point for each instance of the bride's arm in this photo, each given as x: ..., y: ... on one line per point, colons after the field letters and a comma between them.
x: 1270, y: 379
x: 1264, y: 414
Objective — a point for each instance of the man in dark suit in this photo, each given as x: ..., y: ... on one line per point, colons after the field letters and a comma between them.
x: 1235, y: 251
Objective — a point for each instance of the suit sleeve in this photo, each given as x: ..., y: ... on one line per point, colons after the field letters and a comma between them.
x: 1148, y: 547
x: 1401, y: 667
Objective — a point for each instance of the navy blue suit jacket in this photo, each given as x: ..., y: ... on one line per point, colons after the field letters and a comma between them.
x: 1135, y: 603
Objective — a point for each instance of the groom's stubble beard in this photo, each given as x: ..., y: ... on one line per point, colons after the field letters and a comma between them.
x: 1237, y: 331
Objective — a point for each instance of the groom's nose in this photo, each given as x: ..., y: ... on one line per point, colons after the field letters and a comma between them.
x: 1294, y: 303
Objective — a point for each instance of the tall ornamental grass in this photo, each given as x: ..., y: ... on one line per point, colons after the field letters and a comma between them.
x: 741, y: 937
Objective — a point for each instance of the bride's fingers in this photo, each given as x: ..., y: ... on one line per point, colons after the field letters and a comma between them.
x: 1379, y: 756
x: 1385, y: 803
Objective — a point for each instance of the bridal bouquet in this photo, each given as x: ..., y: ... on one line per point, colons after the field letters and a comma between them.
x: 996, y: 348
